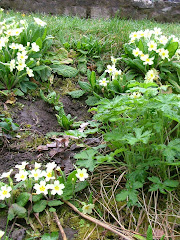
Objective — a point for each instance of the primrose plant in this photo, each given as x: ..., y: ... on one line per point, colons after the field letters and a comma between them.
x: 153, y: 57
x: 22, y: 47
x: 43, y: 187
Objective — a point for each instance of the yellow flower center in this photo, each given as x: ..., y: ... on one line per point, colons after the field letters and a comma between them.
x: 42, y: 188
x: 36, y: 175
x: 81, y: 174
x: 22, y: 177
x: 49, y: 175
x: 56, y: 188
x: 5, y: 192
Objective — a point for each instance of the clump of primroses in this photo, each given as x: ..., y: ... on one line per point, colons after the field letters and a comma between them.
x: 39, y: 180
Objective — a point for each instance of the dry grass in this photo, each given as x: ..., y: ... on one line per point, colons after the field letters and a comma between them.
x: 162, y: 213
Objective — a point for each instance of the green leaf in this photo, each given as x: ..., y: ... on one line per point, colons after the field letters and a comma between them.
x: 16, y: 210
x: 154, y: 179
x: 52, y: 209
x: 54, y: 203
x: 172, y: 47
x: 76, y: 93
x: 81, y: 185
x: 64, y: 70
x: 50, y: 236
x: 36, y: 198
x: 149, y: 234
x: 2, y: 205
x: 39, y: 42
x: 86, y: 159
x: 171, y: 183
x: 92, y: 100
x: 39, y: 206
x: 139, y: 237
x: 85, y: 86
x: 23, y: 198
x: 11, y: 214
x: 93, y: 79
x: 122, y: 196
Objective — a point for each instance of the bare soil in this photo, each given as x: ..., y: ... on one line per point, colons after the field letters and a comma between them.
x: 36, y: 118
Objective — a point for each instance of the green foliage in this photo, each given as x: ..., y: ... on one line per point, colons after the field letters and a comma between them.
x: 7, y: 125
x: 50, y: 236
x: 139, y: 128
x: 149, y: 235
x: 150, y: 50
x: 64, y: 70
x: 65, y: 121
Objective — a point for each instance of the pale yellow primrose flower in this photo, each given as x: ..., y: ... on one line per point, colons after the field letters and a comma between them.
x: 1, y: 233
x: 37, y: 165
x: 103, y: 82
x: 136, y: 52
x: 12, y: 65
x: 50, y: 166
x: 148, y: 61
x: 21, y: 47
x: 2, y: 42
x: 157, y: 31
x: 29, y: 72
x: 21, y: 176
x: 87, y: 209
x: 134, y: 35
x: 39, y: 22
x: 164, y: 53
x: 21, y: 66
x: 41, y: 188
x: 82, y: 174
x: 5, y: 192
x: 116, y: 74
x: 152, y: 46
x: 22, y: 166
x: 56, y: 188
x: 113, y: 60
x: 13, y: 46
x: 6, y: 174
x: 36, y: 174
x: 151, y: 75
x: 21, y: 56
x: 163, y: 39
x: 110, y: 69
x: 48, y: 174
x: 35, y: 47
x: 135, y: 95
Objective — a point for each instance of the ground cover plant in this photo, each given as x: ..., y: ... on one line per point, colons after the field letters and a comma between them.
x: 116, y: 165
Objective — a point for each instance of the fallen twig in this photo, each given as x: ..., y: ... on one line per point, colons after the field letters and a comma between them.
x: 59, y: 226
x: 98, y: 222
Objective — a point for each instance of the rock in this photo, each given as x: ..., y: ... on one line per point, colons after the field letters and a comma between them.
x: 161, y: 10
x: 18, y: 234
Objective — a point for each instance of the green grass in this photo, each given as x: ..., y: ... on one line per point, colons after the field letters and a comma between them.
x: 115, y: 32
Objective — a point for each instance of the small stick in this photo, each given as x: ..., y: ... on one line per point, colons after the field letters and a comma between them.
x: 96, y: 221
x: 59, y: 226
